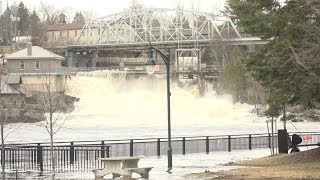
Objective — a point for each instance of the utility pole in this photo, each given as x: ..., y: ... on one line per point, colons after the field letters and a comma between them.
x: 14, y: 19
x: 11, y: 38
x: 1, y: 30
x: 0, y: 7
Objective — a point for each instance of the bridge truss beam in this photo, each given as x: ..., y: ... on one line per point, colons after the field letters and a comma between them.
x: 158, y: 26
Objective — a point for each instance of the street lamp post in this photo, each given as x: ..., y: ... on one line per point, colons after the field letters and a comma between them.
x: 150, y: 65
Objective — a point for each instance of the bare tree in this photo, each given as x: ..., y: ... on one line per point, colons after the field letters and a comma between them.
x: 68, y: 11
x: 179, y: 5
x: 11, y: 106
x: 49, y: 13
x: 273, y: 122
x: 89, y: 14
x: 136, y: 5
x: 49, y: 94
x: 56, y: 42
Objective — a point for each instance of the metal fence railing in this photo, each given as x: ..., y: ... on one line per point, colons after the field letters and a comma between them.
x: 83, y: 155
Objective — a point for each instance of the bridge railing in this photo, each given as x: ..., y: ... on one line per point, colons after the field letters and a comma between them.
x: 141, y: 68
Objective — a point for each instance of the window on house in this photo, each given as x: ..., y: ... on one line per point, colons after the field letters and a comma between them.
x: 37, y: 65
x: 60, y: 34
x: 53, y: 34
x: 67, y: 34
x: 21, y: 65
x: 75, y: 33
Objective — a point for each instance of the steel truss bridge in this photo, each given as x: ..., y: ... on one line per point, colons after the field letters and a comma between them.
x: 131, y: 31
x: 165, y: 28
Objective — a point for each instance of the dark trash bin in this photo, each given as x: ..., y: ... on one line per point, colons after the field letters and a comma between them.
x: 283, y: 139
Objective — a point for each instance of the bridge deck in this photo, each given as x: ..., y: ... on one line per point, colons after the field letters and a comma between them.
x: 164, y: 44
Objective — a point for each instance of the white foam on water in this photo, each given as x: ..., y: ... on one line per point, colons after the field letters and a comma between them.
x: 106, y: 102
x: 111, y: 107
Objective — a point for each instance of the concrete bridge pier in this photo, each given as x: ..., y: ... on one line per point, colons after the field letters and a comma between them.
x: 201, y: 84
x: 69, y: 55
x: 81, y: 59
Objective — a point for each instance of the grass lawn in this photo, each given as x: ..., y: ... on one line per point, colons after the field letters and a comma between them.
x: 301, y: 165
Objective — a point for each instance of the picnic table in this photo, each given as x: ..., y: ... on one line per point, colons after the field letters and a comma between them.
x: 121, y: 166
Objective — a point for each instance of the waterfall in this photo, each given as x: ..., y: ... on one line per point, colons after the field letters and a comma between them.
x: 107, y: 99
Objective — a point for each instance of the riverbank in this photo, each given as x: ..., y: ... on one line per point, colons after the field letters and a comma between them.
x: 301, y: 165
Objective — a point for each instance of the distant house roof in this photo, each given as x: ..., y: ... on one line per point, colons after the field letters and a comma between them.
x: 37, y: 53
x: 7, y: 89
x: 11, y: 79
x: 70, y: 26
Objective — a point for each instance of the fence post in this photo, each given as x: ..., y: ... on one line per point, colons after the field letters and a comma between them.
x: 207, y: 145
x: 71, y: 153
x: 269, y: 140
x: 131, y: 148
x: 3, y: 151
x: 229, y: 143
x: 250, y: 143
x: 108, y: 151
x: 102, y: 149
x: 39, y: 157
x: 11, y: 152
x: 183, y: 146
x: 33, y: 159
x: 158, y: 148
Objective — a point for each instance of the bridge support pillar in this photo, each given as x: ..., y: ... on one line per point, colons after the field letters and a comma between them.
x: 70, y: 56
x: 201, y: 84
x: 94, y: 57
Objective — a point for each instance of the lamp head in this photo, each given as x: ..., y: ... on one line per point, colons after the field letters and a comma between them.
x: 150, y: 62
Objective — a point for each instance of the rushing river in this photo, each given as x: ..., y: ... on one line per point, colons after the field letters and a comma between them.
x: 111, y: 107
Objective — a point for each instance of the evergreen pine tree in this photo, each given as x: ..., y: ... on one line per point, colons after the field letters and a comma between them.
x: 78, y: 17
x: 23, y: 24
x: 233, y: 80
x: 5, y: 23
x: 36, y: 29
x: 288, y: 67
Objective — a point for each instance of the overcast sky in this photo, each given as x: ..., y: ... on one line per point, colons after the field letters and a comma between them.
x: 105, y: 7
